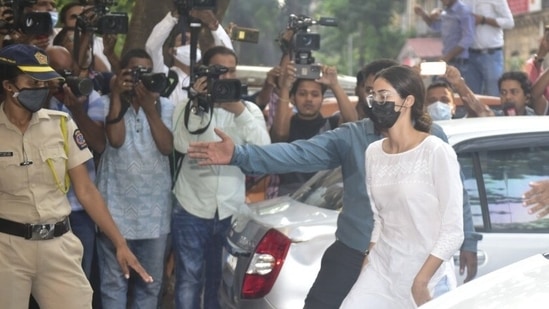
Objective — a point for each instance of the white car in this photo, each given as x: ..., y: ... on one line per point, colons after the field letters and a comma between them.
x: 274, y: 251
x: 523, y: 284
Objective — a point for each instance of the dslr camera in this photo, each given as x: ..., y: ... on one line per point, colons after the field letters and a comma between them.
x: 304, y: 42
x: 32, y: 23
x: 219, y: 90
x: 104, y: 22
x: 79, y: 86
x: 154, y: 82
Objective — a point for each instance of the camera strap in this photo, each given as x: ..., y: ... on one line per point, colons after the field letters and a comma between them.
x: 195, y: 108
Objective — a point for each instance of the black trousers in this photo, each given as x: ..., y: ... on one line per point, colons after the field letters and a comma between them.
x: 339, y: 270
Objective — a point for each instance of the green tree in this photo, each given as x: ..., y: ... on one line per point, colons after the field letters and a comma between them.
x: 365, y: 32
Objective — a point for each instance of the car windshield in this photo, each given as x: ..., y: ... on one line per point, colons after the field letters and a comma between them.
x: 324, y: 190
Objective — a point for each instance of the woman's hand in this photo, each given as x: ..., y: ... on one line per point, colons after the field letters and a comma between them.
x: 420, y: 292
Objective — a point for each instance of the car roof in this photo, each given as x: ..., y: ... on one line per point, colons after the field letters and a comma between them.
x: 459, y: 130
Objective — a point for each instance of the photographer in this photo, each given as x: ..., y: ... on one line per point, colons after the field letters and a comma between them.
x: 181, y: 51
x: 208, y: 196
x: 103, y: 54
x: 26, y: 21
x: 306, y: 95
x: 134, y: 179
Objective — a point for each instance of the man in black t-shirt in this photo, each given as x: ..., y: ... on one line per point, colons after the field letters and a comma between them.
x: 303, y: 119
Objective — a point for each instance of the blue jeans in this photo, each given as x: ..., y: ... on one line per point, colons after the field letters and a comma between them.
x: 197, y: 245
x: 114, y: 287
x: 484, y: 71
x: 84, y: 228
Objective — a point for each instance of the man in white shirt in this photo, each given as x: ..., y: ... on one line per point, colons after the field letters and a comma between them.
x: 181, y: 52
x: 486, y: 54
x: 207, y: 196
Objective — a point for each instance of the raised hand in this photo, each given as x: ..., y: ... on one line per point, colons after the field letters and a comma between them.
x: 537, y: 198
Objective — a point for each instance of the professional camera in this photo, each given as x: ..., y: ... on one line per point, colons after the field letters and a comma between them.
x: 32, y: 23
x: 184, y: 6
x: 79, y: 86
x: 105, y: 22
x: 154, y: 82
x: 219, y: 90
x: 304, y: 43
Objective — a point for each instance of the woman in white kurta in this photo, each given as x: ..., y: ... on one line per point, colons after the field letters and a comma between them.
x: 416, y: 195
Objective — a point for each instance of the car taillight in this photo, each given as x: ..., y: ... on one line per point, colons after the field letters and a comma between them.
x: 265, y: 265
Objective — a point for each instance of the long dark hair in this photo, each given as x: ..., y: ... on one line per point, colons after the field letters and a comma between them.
x: 407, y: 81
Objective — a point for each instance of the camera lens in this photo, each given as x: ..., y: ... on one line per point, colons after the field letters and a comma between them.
x: 306, y: 40
x: 221, y: 89
x: 226, y: 90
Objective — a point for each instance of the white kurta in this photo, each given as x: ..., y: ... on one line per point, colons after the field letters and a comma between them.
x: 417, y: 201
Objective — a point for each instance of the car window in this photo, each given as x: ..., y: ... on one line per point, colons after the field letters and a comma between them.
x: 324, y: 190
x: 496, y: 180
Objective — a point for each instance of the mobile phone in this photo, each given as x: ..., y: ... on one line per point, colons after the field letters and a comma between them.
x: 245, y: 34
x: 433, y: 68
x: 308, y: 71
x: 546, y: 28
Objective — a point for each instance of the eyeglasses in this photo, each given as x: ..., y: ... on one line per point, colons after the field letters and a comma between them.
x: 380, y: 98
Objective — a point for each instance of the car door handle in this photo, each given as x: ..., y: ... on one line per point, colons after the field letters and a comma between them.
x: 481, y: 258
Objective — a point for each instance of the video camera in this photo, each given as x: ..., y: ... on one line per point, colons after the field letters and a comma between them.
x: 106, y: 22
x: 154, y: 82
x: 32, y: 23
x: 184, y: 6
x: 219, y: 90
x: 304, y: 42
x: 79, y: 86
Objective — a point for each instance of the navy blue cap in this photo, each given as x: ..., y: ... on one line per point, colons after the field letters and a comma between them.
x: 29, y: 59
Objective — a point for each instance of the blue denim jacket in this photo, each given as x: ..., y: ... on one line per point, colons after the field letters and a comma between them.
x: 343, y: 146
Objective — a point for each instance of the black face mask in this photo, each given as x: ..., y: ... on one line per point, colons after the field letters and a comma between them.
x: 33, y: 99
x: 385, y: 115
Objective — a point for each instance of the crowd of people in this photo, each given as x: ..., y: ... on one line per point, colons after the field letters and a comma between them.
x: 94, y: 201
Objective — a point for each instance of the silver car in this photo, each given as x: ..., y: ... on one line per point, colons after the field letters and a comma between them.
x: 274, y: 249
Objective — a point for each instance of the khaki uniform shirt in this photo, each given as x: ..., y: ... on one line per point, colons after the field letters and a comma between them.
x: 29, y: 193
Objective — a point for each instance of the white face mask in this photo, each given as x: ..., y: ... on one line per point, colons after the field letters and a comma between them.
x: 440, y: 111
x: 183, y: 54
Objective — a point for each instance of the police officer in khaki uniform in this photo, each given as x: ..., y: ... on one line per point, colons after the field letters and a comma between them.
x: 39, y: 150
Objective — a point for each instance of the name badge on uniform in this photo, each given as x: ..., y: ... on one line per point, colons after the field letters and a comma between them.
x: 6, y: 154
x: 79, y: 139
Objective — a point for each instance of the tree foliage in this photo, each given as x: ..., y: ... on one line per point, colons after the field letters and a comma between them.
x: 365, y: 32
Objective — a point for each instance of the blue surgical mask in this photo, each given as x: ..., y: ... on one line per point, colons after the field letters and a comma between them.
x: 440, y: 111
x: 54, y: 17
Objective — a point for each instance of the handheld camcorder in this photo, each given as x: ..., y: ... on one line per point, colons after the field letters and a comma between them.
x: 219, y: 90
x: 184, y: 6
x: 105, y: 22
x: 79, y: 86
x: 154, y: 82
x: 304, y: 43
x: 32, y: 23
